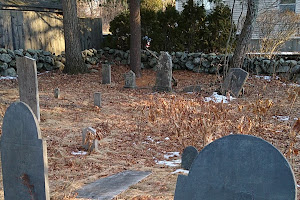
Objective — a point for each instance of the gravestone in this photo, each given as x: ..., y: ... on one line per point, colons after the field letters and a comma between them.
x: 106, y: 74
x: 23, y: 155
x: 28, y: 83
x: 238, y: 167
x: 192, y: 88
x: 129, y: 80
x: 109, y: 187
x: 234, y: 81
x: 188, y: 156
x: 89, y: 141
x: 164, y: 73
x: 97, y: 99
x: 56, y: 93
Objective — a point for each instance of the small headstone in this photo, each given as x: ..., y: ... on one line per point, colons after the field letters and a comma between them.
x: 129, y: 80
x: 56, y: 93
x: 28, y: 83
x: 192, y: 88
x: 23, y: 155
x: 238, y: 167
x: 109, y: 187
x: 106, y: 74
x: 234, y: 81
x: 97, y: 99
x: 164, y: 73
x: 188, y: 156
x: 89, y: 140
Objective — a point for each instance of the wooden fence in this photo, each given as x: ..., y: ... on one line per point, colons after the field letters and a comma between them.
x: 44, y: 30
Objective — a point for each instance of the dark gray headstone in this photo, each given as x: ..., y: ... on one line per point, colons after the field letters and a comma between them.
x: 129, y: 80
x: 234, y: 81
x: 164, y: 73
x: 56, y: 93
x: 106, y: 74
x: 89, y: 143
x: 238, y: 167
x: 109, y: 187
x: 28, y: 83
x: 23, y: 155
x: 97, y: 99
x: 188, y: 156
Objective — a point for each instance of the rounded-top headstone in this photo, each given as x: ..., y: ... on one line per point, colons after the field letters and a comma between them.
x: 188, y: 156
x: 238, y: 167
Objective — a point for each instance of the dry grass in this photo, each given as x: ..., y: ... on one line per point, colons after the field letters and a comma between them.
x: 130, y: 116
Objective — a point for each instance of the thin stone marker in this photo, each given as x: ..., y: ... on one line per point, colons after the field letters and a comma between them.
x: 106, y: 74
x: 97, y: 99
x: 164, y: 73
x: 129, y: 80
x: 56, y: 93
x: 28, y: 83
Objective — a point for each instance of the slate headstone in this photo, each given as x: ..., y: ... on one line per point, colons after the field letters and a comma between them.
x: 129, y: 80
x: 23, y: 155
x: 91, y: 143
x: 188, y: 156
x: 106, y: 74
x: 109, y: 187
x: 56, y: 93
x: 97, y: 99
x: 234, y: 81
x: 164, y: 73
x: 28, y: 83
x: 238, y: 167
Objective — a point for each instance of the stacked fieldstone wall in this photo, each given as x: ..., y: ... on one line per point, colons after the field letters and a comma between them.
x: 197, y: 62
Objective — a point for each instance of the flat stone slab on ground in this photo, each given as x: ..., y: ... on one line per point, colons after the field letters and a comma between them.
x: 109, y: 187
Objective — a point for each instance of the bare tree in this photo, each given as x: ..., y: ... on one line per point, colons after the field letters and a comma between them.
x: 135, y: 37
x: 246, y: 33
x: 74, y: 60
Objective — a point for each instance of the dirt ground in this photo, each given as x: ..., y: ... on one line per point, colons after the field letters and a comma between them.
x: 138, y: 127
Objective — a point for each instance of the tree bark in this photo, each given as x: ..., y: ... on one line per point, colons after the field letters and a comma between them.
x: 74, y: 61
x: 246, y: 33
x: 135, y: 37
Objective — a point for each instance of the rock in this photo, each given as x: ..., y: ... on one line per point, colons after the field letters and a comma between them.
x: 295, y: 69
x: 175, y: 60
x: 178, y: 54
x: 28, y: 55
x: 292, y: 63
x: 13, y: 63
x: 94, y: 71
x: 35, y: 57
x: 59, y: 65
x: 49, y: 60
x: 205, y: 64
x: 189, y: 64
x: 18, y: 53
x: 118, y: 59
x: 126, y: 55
x: 123, y: 62
x: 10, y: 72
x: 283, y: 69
x: 86, y: 53
x: 184, y: 58
x: 39, y: 66
x: 41, y: 58
x: 11, y: 53
x: 5, y: 58
x: 48, y: 53
x: 144, y: 57
x: 297, y: 78
x: 92, y: 60
x: 3, y: 66
x: 197, y: 60
x: 258, y: 70
x: 48, y: 67
x: 281, y: 61
x: 198, y: 70
x: 212, y: 70
x: 111, y: 51
x: 153, y: 62
x: 2, y: 50
x: 31, y: 51
x: 106, y: 48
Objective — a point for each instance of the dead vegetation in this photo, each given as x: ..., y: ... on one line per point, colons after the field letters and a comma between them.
x: 137, y: 127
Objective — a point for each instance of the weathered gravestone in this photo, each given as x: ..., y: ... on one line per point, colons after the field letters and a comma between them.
x: 129, y: 80
x: 188, y: 156
x: 89, y: 140
x: 238, y: 167
x: 109, y: 187
x: 234, y: 81
x: 106, y: 74
x: 23, y: 155
x: 164, y: 73
x: 97, y: 99
x: 28, y: 83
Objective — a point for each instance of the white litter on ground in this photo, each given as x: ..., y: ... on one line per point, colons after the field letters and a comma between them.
x: 173, y: 163
x: 171, y: 155
x: 149, y: 138
x: 215, y: 97
x: 298, y: 185
x: 43, y: 73
x: 267, y: 78
x: 78, y: 153
x: 180, y: 171
x: 282, y: 118
x: 7, y: 78
x: 167, y: 138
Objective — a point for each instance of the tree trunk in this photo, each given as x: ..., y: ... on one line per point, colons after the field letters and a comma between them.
x: 74, y: 61
x: 246, y: 33
x: 135, y: 37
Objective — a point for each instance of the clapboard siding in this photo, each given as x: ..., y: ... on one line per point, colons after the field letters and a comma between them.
x: 43, y: 30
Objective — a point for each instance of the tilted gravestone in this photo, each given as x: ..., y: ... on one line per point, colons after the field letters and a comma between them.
x: 28, y: 83
x: 164, y: 73
x: 234, y: 81
x: 188, y: 156
x: 238, y: 167
x: 106, y: 74
x: 129, y: 80
x: 89, y: 140
x: 23, y: 155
